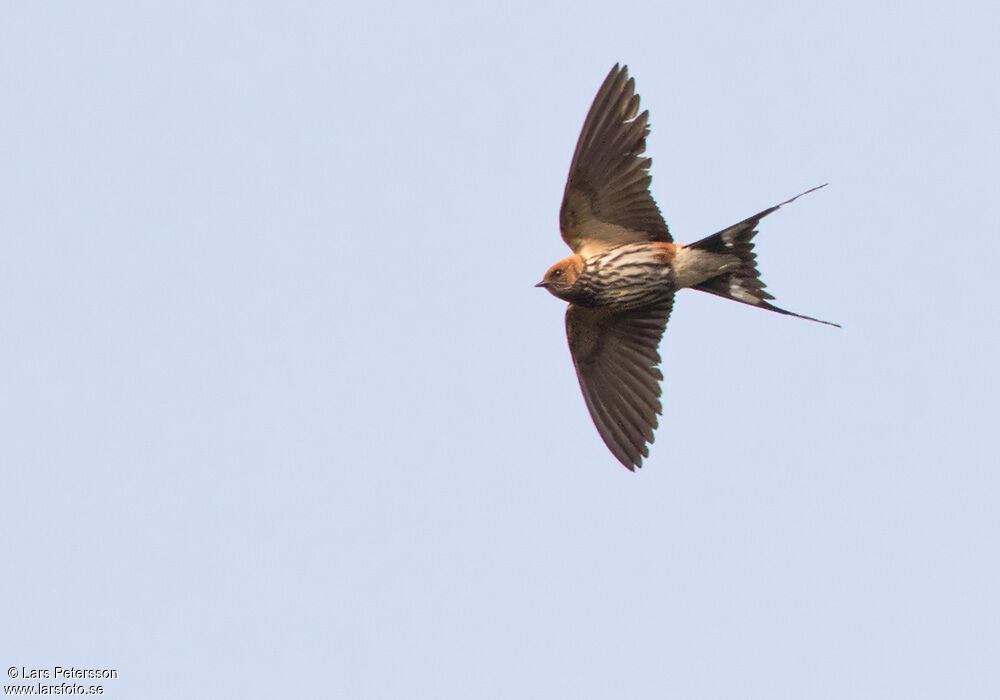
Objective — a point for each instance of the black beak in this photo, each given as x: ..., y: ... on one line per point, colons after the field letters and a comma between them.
x: 542, y: 284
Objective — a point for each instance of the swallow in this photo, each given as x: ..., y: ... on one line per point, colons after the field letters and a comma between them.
x: 625, y: 268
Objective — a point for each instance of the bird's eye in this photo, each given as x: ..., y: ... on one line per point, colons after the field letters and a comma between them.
x: 557, y: 273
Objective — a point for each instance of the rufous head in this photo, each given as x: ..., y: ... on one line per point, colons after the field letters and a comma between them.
x: 561, y: 277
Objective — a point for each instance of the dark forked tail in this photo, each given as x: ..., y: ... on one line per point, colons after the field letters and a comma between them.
x: 744, y: 284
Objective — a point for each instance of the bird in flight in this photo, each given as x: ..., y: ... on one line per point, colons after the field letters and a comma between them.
x: 625, y: 268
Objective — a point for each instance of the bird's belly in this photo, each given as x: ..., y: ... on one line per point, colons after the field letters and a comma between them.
x: 629, y: 277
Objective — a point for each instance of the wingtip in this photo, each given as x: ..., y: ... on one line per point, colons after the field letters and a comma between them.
x: 630, y: 465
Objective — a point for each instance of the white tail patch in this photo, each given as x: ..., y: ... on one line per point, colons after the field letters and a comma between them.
x: 737, y: 291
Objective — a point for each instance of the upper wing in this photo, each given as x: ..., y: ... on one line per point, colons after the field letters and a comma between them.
x: 607, y: 200
x: 615, y: 355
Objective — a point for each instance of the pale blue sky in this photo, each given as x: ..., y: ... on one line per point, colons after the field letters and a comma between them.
x: 282, y: 415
